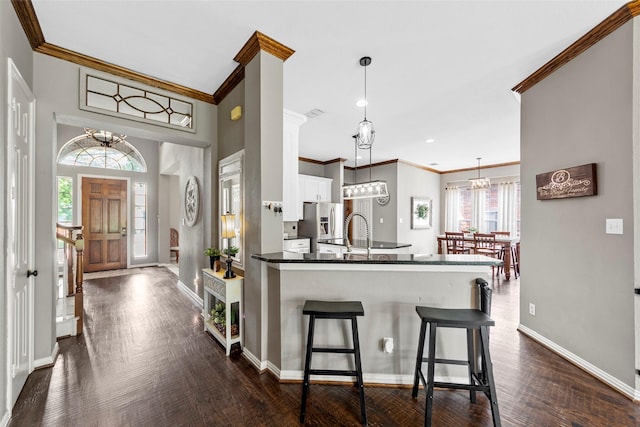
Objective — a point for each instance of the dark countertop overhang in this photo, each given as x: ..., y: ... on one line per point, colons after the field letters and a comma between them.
x: 390, y: 259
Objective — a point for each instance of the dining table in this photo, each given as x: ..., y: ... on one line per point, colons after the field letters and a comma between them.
x: 506, y: 242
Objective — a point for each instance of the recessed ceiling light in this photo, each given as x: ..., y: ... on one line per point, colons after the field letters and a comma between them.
x: 359, y: 157
x: 430, y: 140
x: 362, y: 103
x: 434, y: 164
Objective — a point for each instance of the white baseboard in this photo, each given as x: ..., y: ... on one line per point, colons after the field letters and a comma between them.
x: 192, y: 295
x: 383, y: 379
x: 47, y: 361
x: 606, y: 378
x: 273, y: 369
x: 261, y: 366
x: 6, y: 417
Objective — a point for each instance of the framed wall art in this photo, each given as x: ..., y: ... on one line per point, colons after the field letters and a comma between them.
x: 421, y: 213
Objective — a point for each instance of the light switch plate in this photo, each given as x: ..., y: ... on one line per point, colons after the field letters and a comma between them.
x: 614, y: 226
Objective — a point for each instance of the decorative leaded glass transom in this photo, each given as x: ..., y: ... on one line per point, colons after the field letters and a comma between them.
x: 115, y: 98
x: 84, y: 150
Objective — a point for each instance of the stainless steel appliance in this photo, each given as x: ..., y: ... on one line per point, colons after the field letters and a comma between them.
x: 322, y: 221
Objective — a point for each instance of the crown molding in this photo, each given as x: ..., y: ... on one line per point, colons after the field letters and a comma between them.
x: 597, y: 33
x: 497, y: 165
x: 229, y: 84
x: 29, y: 21
x: 258, y: 42
x: 255, y: 44
x: 116, y: 70
x: 415, y: 165
x: 31, y: 27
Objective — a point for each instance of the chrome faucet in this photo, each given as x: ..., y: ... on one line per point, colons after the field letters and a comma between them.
x: 346, y: 231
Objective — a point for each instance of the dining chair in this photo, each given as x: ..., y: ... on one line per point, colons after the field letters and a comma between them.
x: 485, y: 244
x: 455, y: 243
x: 514, y: 253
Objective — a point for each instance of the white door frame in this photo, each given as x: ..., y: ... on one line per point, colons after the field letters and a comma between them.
x: 13, y: 74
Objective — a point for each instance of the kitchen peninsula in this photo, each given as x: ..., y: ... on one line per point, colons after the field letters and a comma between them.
x: 339, y: 246
x: 389, y: 287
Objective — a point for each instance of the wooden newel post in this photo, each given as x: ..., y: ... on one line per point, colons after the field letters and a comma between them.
x: 78, y: 306
x: 68, y: 254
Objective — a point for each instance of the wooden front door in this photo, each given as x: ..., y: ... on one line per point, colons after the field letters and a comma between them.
x: 104, y: 217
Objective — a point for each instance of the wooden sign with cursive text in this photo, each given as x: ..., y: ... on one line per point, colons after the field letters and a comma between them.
x: 577, y: 181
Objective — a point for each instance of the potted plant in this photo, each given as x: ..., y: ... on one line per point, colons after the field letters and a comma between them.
x: 231, y: 251
x: 214, y: 258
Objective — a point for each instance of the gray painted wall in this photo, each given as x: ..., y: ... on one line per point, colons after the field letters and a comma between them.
x: 263, y: 181
x: 387, y: 230
x: 416, y: 182
x: 13, y: 45
x: 186, y: 162
x: 149, y: 151
x: 579, y: 278
x: 56, y: 87
x: 308, y: 168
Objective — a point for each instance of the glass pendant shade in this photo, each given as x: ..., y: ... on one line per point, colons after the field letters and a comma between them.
x: 366, y: 134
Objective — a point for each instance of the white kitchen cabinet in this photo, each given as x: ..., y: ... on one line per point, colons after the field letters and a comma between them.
x: 324, y: 248
x: 314, y: 188
x: 291, y: 133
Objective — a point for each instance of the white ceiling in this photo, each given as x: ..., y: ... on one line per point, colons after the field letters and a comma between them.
x: 440, y: 69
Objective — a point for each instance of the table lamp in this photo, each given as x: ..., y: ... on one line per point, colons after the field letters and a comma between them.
x: 228, y: 233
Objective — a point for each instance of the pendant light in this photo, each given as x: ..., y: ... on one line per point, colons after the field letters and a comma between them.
x: 364, y: 190
x: 366, y: 134
x: 479, y: 183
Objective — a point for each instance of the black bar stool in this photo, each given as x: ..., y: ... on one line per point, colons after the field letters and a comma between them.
x: 469, y: 319
x: 333, y: 310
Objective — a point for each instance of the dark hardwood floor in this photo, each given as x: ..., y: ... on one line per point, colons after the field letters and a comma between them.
x: 144, y: 360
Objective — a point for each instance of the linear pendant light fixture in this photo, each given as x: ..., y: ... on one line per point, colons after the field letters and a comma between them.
x: 479, y: 183
x: 364, y: 190
x: 364, y: 140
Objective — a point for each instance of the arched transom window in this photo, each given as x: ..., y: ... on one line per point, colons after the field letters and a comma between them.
x: 102, y: 149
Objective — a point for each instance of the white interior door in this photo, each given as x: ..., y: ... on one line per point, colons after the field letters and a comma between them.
x: 20, y: 268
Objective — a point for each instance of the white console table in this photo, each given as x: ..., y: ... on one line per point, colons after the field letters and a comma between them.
x: 217, y: 290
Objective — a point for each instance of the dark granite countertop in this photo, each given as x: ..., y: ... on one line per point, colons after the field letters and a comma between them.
x: 361, y: 243
x: 350, y: 258
x: 295, y: 237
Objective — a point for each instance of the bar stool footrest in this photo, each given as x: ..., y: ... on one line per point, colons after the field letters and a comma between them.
x: 458, y: 386
x: 447, y: 361
x: 333, y: 372
x: 333, y: 350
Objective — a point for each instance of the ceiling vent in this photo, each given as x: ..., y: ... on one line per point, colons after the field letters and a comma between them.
x: 312, y: 114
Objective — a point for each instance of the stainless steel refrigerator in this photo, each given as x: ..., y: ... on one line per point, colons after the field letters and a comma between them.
x: 321, y: 221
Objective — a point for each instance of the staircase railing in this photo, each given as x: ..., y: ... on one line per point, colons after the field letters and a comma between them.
x: 71, y: 235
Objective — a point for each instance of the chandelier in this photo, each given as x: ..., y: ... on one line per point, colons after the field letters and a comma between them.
x: 479, y: 183
x: 104, y: 137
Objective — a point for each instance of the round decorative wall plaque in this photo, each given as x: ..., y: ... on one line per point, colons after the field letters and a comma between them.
x: 191, y: 201
x: 382, y: 200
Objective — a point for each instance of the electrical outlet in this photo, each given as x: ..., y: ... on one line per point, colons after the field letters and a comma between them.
x: 532, y: 309
x: 387, y: 345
